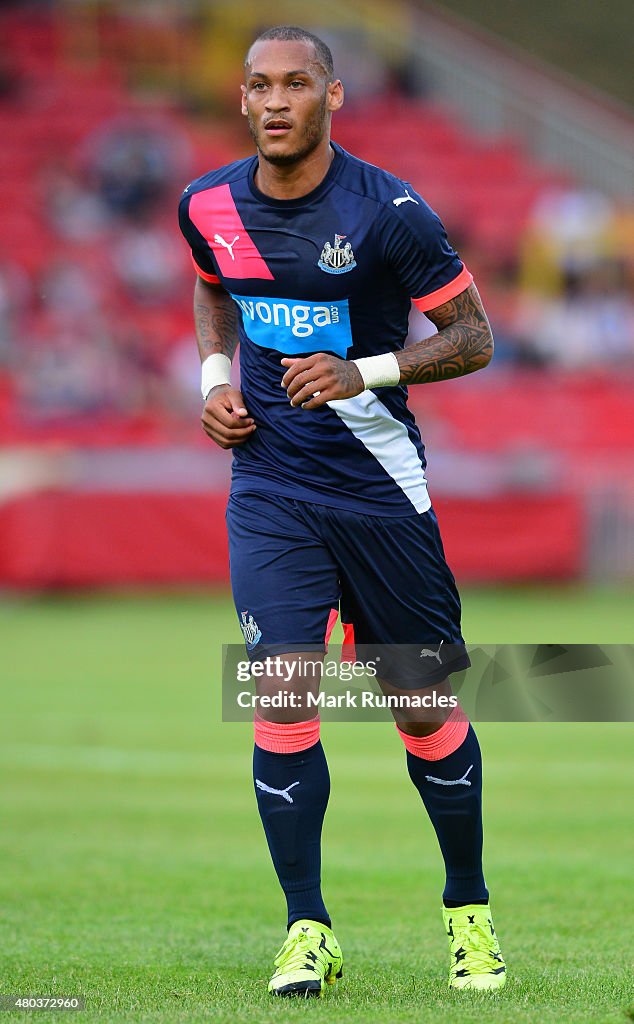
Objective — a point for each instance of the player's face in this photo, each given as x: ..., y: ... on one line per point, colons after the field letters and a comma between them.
x: 288, y: 100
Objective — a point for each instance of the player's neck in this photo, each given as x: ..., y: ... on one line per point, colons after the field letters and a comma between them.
x: 294, y: 180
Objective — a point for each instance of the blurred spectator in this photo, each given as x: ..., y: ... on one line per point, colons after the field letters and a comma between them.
x: 57, y: 376
x: 182, y: 376
x: 134, y: 161
x: 589, y: 325
x: 71, y: 291
x: 147, y: 262
x: 75, y: 211
x: 570, y: 230
x: 574, y: 308
x: 15, y: 295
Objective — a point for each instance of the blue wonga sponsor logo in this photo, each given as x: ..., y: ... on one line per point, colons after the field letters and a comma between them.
x: 291, y: 326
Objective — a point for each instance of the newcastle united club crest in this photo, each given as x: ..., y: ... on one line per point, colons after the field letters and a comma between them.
x: 251, y: 630
x: 337, y: 259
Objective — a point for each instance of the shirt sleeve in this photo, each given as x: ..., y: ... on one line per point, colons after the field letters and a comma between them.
x: 418, y: 251
x: 202, y: 257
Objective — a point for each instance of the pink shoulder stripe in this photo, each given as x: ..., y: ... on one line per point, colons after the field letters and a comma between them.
x: 212, y: 278
x: 444, y: 294
x: 216, y: 216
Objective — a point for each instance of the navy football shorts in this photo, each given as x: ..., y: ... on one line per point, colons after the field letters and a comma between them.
x: 293, y: 562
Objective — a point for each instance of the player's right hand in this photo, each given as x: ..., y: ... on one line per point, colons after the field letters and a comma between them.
x: 225, y: 419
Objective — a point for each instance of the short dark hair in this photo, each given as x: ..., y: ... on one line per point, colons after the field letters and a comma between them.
x: 292, y: 32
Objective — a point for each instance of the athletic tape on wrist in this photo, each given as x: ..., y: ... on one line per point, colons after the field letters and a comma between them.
x: 379, y: 371
x: 215, y: 370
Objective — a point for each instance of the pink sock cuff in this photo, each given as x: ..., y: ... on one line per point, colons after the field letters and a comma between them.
x: 285, y: 737
x: 441, y: 743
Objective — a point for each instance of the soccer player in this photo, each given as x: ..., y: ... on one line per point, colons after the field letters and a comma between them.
x: 310, y: 258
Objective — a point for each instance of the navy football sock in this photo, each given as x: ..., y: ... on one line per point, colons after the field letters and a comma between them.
x: 454, y: 904
x: 451, y: 789
x: 292, y: 791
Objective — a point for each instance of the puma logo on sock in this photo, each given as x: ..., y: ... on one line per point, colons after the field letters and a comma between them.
x: 451, y: 782
x: 283, y: 792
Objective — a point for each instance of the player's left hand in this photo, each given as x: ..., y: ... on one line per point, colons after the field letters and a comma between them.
x: 320, y: 378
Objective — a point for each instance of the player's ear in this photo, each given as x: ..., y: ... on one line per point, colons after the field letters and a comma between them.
x: 335, y: 95
x: 243, y: 90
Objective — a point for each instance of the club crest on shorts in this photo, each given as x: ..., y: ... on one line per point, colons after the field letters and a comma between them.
x: 250, y: 629
x: 337, y: 259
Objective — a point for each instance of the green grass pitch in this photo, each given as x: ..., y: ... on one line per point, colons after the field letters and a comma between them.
x: 133, y: 869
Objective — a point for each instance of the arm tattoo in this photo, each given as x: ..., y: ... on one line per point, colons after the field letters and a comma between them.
x: 464, y: 342
x: 348, y: 375
x: 216, y: 321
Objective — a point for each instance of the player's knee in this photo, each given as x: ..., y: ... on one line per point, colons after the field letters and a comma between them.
x: 420, y: 728
x: 445, y: 738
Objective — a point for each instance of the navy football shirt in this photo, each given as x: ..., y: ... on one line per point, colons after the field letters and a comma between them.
x: 333, y: 271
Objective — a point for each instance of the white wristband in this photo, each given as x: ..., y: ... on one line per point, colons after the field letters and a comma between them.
x: 379, y: 371
x: 216, y: 369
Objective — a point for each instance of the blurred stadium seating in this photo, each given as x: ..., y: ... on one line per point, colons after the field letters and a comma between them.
x: 97, y: 350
